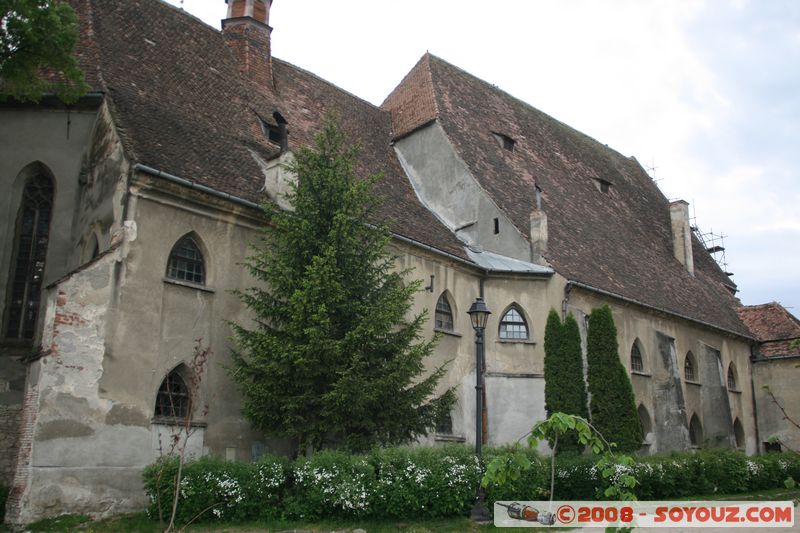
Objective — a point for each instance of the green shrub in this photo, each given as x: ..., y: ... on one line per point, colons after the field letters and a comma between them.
x: 418, y: 482
x: 424, y: 482
x: 331, y: 483
x: 613, y: 405
x: 564, y: 387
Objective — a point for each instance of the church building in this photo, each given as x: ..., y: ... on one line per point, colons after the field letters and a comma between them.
x: 125, y: 218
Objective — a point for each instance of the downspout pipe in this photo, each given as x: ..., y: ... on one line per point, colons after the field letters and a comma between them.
x: 194, y: 185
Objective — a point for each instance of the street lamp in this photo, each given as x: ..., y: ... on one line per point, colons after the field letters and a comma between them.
x: 479, y: 315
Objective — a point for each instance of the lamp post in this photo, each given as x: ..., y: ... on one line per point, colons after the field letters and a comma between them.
x: 479, y: 315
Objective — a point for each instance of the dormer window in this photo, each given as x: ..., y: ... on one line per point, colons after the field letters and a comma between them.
x: 276, y: 133
x: 505, y: 142
x: 271, y: 131
x: 602, y: 185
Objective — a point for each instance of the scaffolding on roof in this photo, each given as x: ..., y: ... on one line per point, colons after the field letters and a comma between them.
x: 714, y: 243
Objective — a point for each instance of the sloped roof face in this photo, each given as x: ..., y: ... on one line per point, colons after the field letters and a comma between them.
x: 304, y: 99
x: 618, y: 241
x: 182, y: 107
x: 177, y: 97
x: 770, y: 322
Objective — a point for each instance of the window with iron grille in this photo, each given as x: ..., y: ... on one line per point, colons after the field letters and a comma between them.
x: 513, y: 325
x: 637, y: 363
x: 688, y: 367
x: 27, y: 270
x: 731, y: 378
x: 186, y: 262
x: 444, y: 314
x: 172, y: 400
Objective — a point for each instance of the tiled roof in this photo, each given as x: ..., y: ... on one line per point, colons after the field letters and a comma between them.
x: 618, y: 241
x: 770, y: 322
x: 181, y: 106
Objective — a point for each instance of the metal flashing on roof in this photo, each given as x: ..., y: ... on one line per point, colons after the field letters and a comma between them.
x: 493, y: 262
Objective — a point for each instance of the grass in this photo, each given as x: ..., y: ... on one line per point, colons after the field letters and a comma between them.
x: 139, y: 522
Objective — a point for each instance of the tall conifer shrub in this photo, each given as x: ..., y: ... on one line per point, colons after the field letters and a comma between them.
x: 613, y: 405
x: 564, y: 388
x: 332, y: 360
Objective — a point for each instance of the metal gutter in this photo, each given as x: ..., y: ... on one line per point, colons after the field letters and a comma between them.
x: 437, y: 251
x: 655, y: 308
x: 194, y: 185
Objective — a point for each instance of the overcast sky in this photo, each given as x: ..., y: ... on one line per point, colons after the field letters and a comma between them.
x: 707, y: 92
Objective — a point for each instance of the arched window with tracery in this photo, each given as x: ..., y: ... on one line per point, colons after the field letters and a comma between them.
x: 172, y: 400
x: 637, y: 362
x: 689, y: 368
x: 30, y: 252
x: 186, y: 262
x: 444, y: 314
x: 513, y: 325
x: 731, y: 377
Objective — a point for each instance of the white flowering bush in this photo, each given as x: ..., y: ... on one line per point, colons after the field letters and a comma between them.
x: 330, y: 484
x: 216, y: 490
x: 425, y: 481
x: 410, y: 482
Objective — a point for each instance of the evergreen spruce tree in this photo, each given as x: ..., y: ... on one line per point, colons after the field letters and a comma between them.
x: 564, y: 386
x: 613, y: 405
x: 332, y: 359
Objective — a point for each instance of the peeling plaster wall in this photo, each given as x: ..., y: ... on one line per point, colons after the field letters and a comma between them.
x: 75, y: 460
x: 782, y: 376
x: 656, y: 388
x: 98, y: 211
x: 160, y: 320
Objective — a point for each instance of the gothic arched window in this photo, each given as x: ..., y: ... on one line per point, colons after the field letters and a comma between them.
x: 689, y: 368
x: 513, y: 325
x: 637, y: 362
x: 30, y: 252
x: 444, y: 314
x: 731, y: 377
x: 172, y: 400
x: 186, y: 262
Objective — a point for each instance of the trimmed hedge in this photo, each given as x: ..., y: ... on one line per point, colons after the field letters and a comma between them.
x: 423, y: 482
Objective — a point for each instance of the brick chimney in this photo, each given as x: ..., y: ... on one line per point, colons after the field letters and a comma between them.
x: 681, y: 234
x: 247, y: 31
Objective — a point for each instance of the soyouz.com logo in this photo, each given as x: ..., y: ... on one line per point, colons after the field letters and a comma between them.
x: 644, y: 514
